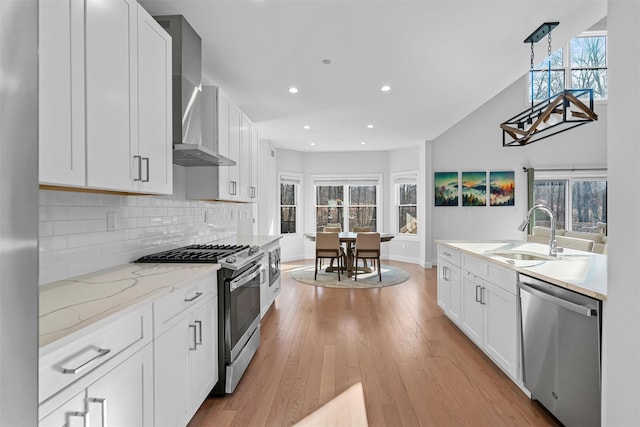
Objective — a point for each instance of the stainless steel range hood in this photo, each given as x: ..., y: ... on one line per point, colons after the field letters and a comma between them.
x: 189, y: 149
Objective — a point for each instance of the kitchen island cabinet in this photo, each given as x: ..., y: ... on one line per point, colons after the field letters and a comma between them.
x: 489, y: 296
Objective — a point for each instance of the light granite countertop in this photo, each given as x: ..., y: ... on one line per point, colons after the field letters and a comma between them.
x: 579, y: 271
x: 70, y: 305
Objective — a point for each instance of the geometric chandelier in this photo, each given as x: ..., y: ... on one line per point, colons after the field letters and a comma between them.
x: 550, y: 117
x: 558, y: 113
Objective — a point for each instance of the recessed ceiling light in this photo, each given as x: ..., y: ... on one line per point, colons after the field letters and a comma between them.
x: 385, y: 88
x: 369, y: 126
x: 362, y: 143
x: 307, y: 127
x: 312, y: 144
x: 293, y: 90
x: 326, y: 61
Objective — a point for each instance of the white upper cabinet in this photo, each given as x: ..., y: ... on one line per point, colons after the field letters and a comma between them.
x: 111, y: 95
x: 61, y: 92
x: 154, y: 105
x: 235, y: 140
x: 245, y: 160
x: 253, y: 160
x: 105, y: 118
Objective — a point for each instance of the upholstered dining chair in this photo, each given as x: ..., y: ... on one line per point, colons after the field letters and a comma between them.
x: 368, y: 247
x: 335, y: 228
x: 328, y: 246
x: 353, y: 249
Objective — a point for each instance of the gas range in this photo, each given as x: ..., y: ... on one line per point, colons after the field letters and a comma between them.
x: 233, y: 257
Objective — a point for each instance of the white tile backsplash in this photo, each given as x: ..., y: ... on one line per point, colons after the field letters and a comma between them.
x: 73, y: 229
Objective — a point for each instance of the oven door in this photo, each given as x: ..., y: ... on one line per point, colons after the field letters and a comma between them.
x: 242, y: 310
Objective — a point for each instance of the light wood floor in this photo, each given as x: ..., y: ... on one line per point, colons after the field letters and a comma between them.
x: 391, y: 349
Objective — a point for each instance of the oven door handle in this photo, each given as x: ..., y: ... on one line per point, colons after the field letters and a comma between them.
x: 245, y: 277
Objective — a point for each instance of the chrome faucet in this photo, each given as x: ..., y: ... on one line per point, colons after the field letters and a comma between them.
x: 554, y: 250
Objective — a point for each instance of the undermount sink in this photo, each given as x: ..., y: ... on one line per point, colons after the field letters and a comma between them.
x: 524, y: 256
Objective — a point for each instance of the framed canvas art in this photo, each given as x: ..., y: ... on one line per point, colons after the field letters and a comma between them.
x: 503, y: 187
x: 474, y: 188
x: 445, y: 188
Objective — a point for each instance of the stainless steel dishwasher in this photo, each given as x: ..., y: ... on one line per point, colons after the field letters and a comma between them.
x: 561, y: 332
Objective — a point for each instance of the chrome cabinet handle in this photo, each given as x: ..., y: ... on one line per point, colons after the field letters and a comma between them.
x: 193, y: 298
x: 103, y: 406
x: 253, y: 192
x: 139, y: 158
x: 482, y: 296
x: 478, y: 299
x: 146, y: 160
x: 446, y: 276
x: 85, y: 365
x: 195, y: 340
x: 199, y: 341
x: 232, y: 188
x: 446, y: 254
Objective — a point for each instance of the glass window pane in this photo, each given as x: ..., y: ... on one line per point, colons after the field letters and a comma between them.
x: 325, y: 215
x: 287, y: 194
x: 552, y: 194
x: 329, y: 195
x: 541, y: 84
x: 287, y: 220
x: 589, y: 200
x: 407, y: 219
x: 362, y: 194
x: 363, y: 216
x: 595, y: 79
x: 588, y: 52
x: 408, y: 194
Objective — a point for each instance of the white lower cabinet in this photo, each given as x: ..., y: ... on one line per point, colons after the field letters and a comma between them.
x: 449, y: 290
x: 473, y: 311
x: 121, y: 397
x: 481, y: 298
x: 186, y: 355
x: 106, y: 371
x: 501, y: 328
x: 151, y: 367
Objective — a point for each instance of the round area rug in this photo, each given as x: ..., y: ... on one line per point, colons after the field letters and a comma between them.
x: 390, y: 276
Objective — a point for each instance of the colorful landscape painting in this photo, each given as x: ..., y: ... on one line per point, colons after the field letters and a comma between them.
x: 502, y: 188
x: 446, y: 188
x: 474, y: 188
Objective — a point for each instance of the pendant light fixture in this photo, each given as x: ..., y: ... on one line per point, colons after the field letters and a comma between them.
x: 556, y: 114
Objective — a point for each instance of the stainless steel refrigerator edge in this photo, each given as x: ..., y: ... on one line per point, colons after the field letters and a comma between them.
x: 18, y: 213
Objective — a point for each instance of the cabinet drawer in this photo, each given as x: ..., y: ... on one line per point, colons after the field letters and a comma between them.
x: 448, y: 254
x: 472, y: 264
x: 70, y: 363
x: 505, y: 278
x: 167, y: 310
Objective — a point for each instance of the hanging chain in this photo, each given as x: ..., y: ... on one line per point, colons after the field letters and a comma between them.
x: 549, y: 48
x: 532, y: 55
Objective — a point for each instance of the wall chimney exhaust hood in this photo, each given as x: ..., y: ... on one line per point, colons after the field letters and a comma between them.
x: 189, y: 149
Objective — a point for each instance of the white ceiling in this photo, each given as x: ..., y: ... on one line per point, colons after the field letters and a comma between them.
x: 442, y: 59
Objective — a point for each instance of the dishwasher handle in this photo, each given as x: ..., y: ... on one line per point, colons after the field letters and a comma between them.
x: 576, y: 308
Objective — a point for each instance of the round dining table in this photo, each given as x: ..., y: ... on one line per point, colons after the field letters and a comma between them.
x: 349, y: 238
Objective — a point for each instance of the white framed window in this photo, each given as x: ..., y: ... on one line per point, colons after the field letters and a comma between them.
x: 289, y: 196
x: 581, y: 64
x: 578, y: 200
x: 406, y: 203
x: 347, y: 201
